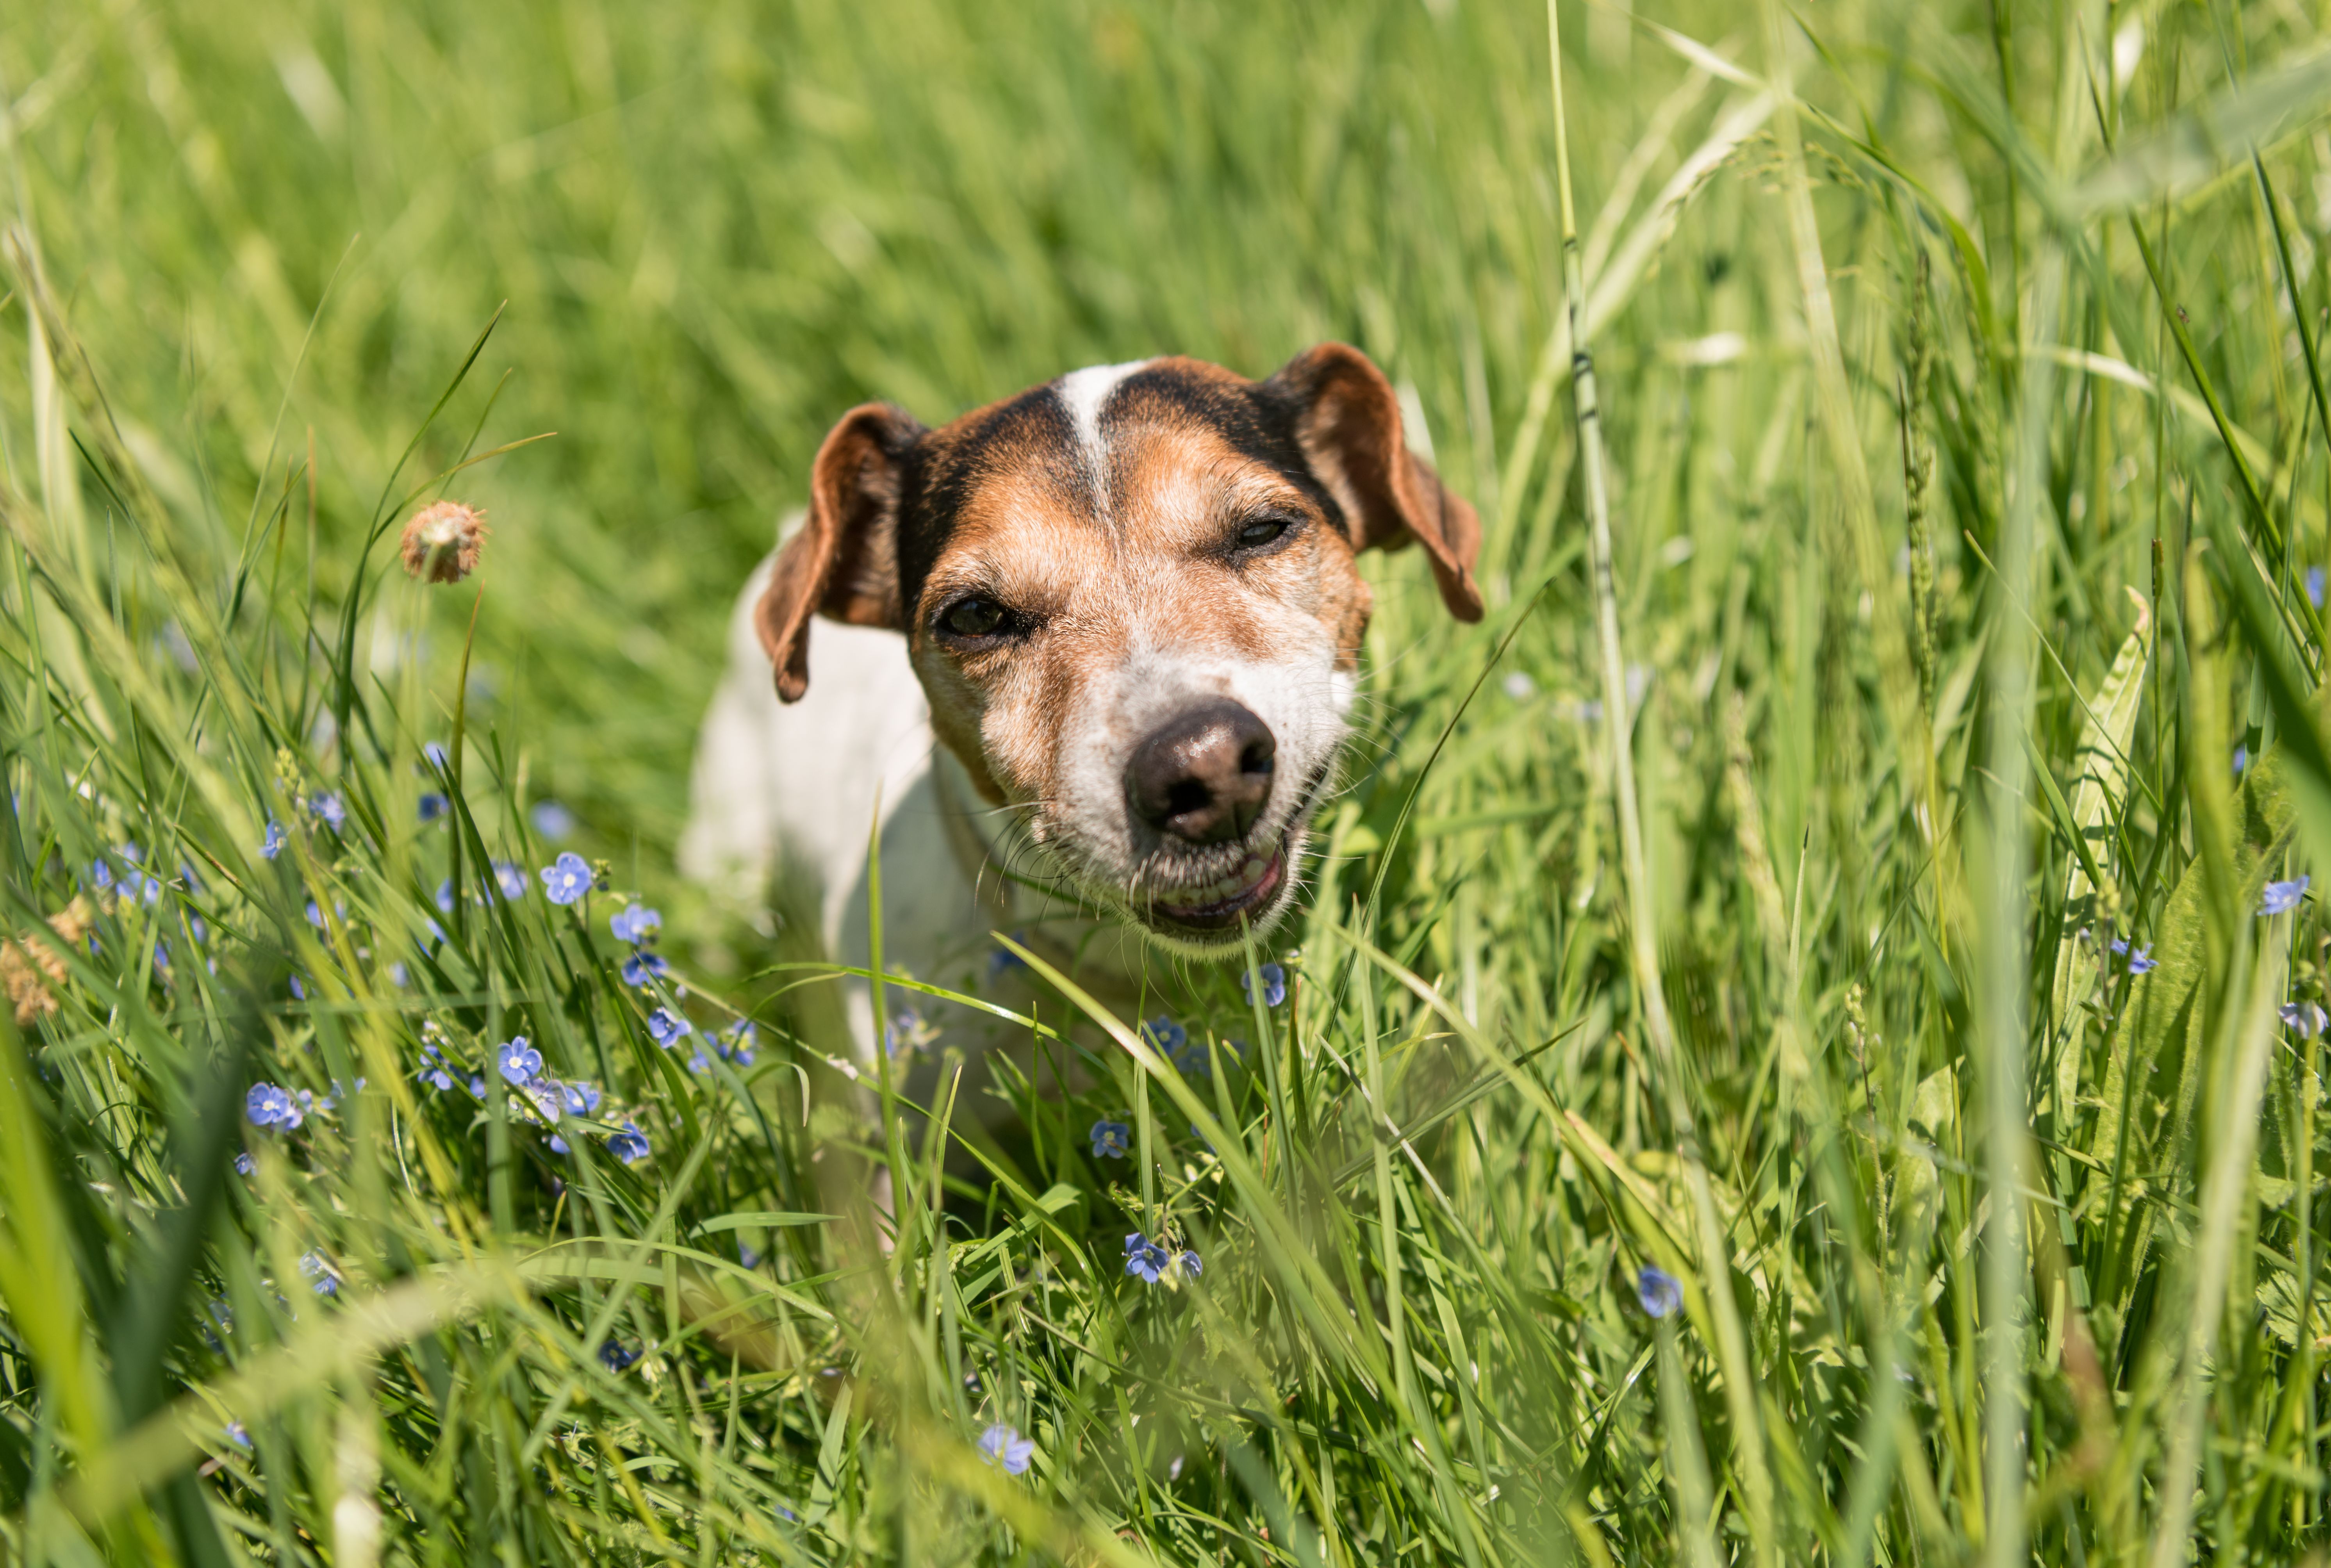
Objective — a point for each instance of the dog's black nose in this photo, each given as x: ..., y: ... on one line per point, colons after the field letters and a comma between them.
x: 1203, y: 775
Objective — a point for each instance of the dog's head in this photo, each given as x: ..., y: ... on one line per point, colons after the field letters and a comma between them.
x: 1132, y: 598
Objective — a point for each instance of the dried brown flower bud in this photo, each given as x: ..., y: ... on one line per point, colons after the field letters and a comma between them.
x: 442, y: 542
x: 29, y: 967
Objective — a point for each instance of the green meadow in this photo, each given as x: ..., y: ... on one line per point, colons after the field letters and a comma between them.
x: 1806, y: 1043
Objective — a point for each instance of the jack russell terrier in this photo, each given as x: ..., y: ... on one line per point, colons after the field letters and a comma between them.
x: 1126, y: 602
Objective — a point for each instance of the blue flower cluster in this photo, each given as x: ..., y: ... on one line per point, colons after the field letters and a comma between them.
x: 324, y: 1279
x: 2281, y: 898
x: 125, y: 875
x: 1274, y: 985
x: 638, y: 925
x: 520, y: 1062
x: 272, y: 1106
x: 1150, y: 1262
x: 566, y: 879
x: 2140, y: 961
x: 1173, y: 1042
x: 1003, y: 1445
x: 904, y: 1031
x: 735, y: 1045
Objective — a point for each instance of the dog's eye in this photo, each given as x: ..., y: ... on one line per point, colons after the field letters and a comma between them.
x: 974, y: 618
x: 1262, y: 531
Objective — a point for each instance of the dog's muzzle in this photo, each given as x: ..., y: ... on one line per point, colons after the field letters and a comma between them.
x: 1202, y: 781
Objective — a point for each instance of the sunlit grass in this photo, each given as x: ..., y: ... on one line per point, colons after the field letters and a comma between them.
x: 1902, y: 1148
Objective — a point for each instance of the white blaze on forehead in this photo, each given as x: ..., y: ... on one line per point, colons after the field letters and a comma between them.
x: 1084, y: 394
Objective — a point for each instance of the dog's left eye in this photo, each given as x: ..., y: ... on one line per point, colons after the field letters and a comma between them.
x: 1262, y: 531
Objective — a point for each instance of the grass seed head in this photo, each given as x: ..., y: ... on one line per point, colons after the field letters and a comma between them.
x: 442, y: 542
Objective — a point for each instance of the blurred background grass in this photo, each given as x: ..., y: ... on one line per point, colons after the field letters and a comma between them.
x: 716, y: 228
x: 241, y: 238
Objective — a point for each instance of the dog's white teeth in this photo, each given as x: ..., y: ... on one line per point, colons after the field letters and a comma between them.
x: 1244, y: 879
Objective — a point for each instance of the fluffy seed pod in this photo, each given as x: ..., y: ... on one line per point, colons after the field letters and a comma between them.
x: 442, y: 542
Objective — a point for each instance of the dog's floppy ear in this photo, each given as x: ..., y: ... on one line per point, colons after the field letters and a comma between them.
x: 1347, y: 422
x: 843, y: 560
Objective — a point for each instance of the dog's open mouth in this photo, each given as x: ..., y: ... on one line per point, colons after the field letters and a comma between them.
x: 1243, y: 892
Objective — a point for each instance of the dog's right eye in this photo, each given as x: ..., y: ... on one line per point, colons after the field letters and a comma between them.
x: 974, y: 618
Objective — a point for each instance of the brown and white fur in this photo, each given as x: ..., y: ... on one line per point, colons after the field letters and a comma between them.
x: 1126, y: 605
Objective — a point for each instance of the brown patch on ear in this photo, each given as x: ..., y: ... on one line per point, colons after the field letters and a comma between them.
x: 1347, y: 424
x: 843, y: 560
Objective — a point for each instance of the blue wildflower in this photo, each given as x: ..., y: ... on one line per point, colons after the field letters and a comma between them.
x: 2142, y: 961
x: 632, y: 923
x: 245, y: 1164
x: 2242, y: 759
x: 1192, y: 1265
x: 581, y: 1099
x: 270, y: 1106
x: 1001, y: 961
x: 434, y: 1069
x: 2281, y: 898
x: 437, y: 754
x: 618, y: 1358
x: 519, y: 1061
x: 747, y: 1255
x: 665, y: 1026
x: 2303, y: 1016
x: 630, y: 1145
x: 1145, y: 1259
x: 477, y: 1089
x: 903, y: 1033
x: 642, y: 967
x: 556, y: 1144
x: 315, y: 915
x: 326, y: 1278
x: 329, y: 809
x: 566, y: 879
x: 273, y: 846
x: 237, y: 1434
x: 100, y: 874
x: 737, y: 1042
x: 433, y: 805
x: 1166, y: 1035
x: 298, y: 989
x: 698, y: 1062
x: 2315, y: 587
x: 1657, y: 1291
x: 1001, y: 1445
x: 510, y: 877
x: 1109, y: 1139
x: 1274, y: 985
x: 552, y: 821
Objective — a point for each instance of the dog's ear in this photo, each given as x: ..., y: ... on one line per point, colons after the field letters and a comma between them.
x: 843, y: 560
x: 1347, y: 422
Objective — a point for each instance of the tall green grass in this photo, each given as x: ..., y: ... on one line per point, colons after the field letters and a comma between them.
x: 1840, y: 894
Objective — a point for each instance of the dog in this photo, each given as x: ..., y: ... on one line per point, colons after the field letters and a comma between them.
x: 1125, y: 605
